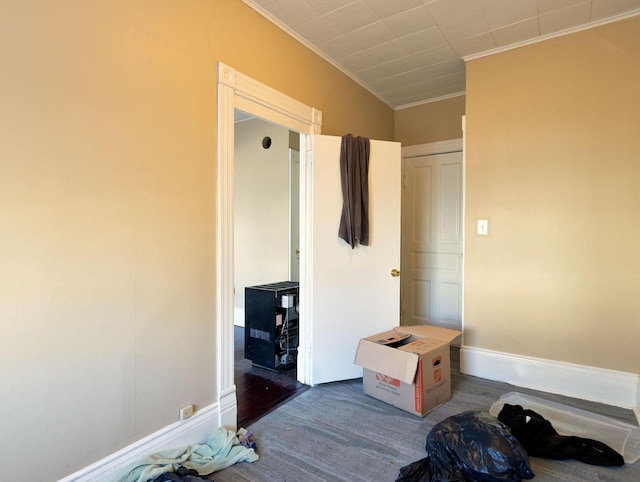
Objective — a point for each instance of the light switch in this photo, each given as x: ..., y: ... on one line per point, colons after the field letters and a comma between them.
x: 483, y: 227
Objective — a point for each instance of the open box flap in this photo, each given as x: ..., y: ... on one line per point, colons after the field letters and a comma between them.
x: 388, y: 337
x: 444, y: 334
x: 388, y: 361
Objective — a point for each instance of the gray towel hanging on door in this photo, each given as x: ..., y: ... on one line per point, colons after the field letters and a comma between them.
x: 354, y: 176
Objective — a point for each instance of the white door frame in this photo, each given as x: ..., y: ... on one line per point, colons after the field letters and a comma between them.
x: 236, y: 90
x: 444, y: 147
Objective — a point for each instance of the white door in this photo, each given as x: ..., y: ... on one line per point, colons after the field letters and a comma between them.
x: 432, y: 241
x: 353, y: 292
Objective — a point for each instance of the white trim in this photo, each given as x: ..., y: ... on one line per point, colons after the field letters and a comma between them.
x: 228, y: 403
x: 636, y: 409
x: 434, y: 99
x: 305, y: 346
x: 579, y: 381
x: 236, y: 90
x: 561, y: 33
x: 440, y: 147
x: 196, y: 429
x: 464, y: 217
x: 224, y: 246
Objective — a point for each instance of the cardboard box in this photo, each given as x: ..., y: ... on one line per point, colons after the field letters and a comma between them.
x: 408, y: 367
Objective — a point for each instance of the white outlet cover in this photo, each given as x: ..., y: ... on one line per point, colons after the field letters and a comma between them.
x: 186, y: 412
x: 483, y: 227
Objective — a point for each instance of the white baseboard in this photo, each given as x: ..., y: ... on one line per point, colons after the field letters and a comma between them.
x: 620, y: 389
x: 228, y: 409
x: 636, y: 410
x: 196, y: 429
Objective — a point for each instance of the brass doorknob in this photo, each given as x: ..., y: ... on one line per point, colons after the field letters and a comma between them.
x: 395, y: 273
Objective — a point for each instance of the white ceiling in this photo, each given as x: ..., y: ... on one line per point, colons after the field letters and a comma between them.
x: 407, y: 52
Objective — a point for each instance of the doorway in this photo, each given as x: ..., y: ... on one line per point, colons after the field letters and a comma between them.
x: 237, y: 91
x: 318, y: 288
x: 266, y: 223
x: 432, y: 234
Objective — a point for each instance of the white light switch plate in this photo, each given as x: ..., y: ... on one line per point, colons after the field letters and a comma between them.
x: 483, y: 227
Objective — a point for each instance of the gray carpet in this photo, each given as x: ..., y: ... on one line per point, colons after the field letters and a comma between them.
x: 334, y: 432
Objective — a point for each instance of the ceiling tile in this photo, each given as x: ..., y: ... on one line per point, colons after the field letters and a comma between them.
x: 564, y: 18
x: 409, y: 90
x: 292, y: 12
x: 374, y: 73
x: 358, y: 61
x: 517, y: 32
x: 326, y: 6
x: 372, y: 34
x: 474, y: 45
x: 406, y: 91
x: 318, y: 31
x: 265, y: 3
x: 413, y: 76
x: 438, y: 54
x: 389, y: 84
x: 446, y: 11
x: 405, y: 64
x: 411, y: 21
x: 423, y: 40
x: 444, y: 82
x: 545, y: 6
x: 339, y: 47
x: 503, y: 12
x: 384, y: 84
x: 386, y: 8
x: 387, y: 51
x: 445, y: 68
x: 351, y: 17
x: 453, y: 90
x: 470, y: 25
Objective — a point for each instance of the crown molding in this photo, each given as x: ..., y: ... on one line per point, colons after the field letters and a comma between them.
x: 434, y: 99
x: 550, y: 36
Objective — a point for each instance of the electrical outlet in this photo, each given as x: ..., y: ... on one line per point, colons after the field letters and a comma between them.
x: 186, y: 412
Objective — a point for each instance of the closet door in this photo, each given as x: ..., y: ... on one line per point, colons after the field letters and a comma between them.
x: 432, y: 241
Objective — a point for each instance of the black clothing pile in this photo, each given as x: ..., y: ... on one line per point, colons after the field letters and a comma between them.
x: 182, y: 474
x: 540, y: 439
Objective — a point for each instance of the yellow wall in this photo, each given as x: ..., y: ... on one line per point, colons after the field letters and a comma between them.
x: 107, y: 211
x: 431, y: 122
x: 553, y: 163
x: 270, y: 56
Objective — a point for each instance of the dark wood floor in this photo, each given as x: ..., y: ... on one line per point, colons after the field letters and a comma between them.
x: 259, y: 390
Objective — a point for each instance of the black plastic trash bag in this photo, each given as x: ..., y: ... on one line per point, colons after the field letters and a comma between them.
x: 471, y: 446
